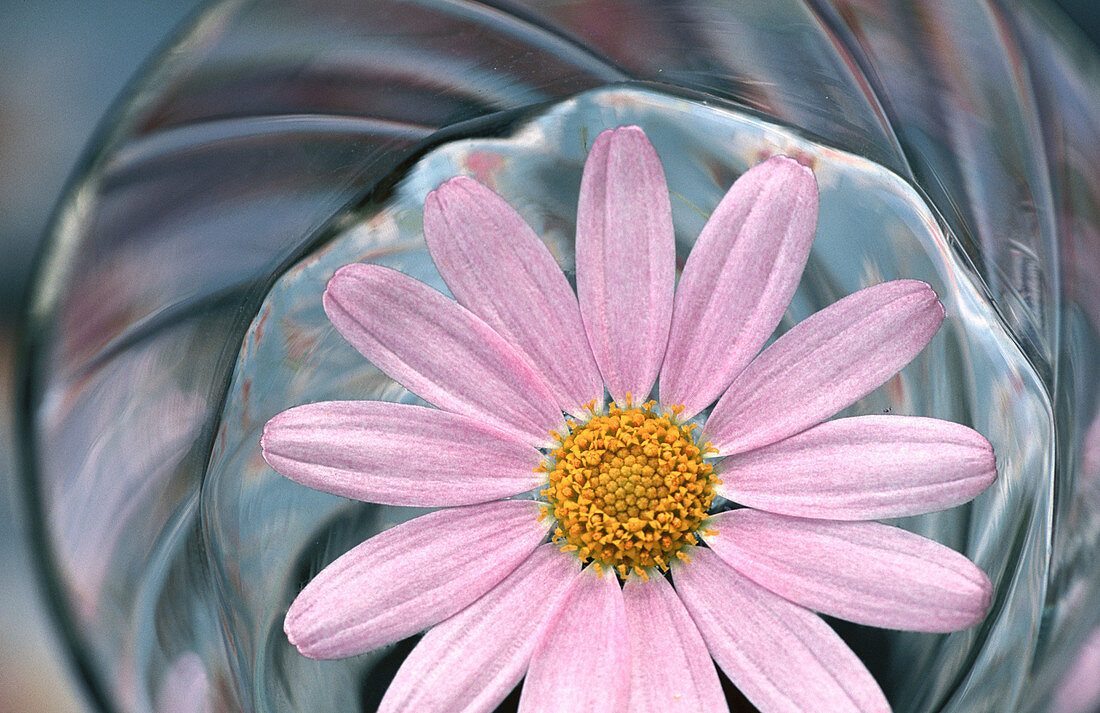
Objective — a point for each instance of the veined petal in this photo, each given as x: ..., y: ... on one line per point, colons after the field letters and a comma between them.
x: 582, y: 663
x: 824, y: 363
x: 738, y: 281
x: 670, y: 667
x: 865, y: 572
x: 782, y: 657
x: 470, y: 662
x: 499, y: 269
x: 626, y: 260
x: 411, y: 576
x: 863, y: 468
x: 397, y: 454
x: 440, y: 351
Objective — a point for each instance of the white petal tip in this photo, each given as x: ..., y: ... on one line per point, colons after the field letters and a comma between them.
x: 344, y: 272
x: 453, y: 186
x: 788, y: 163
x: 294, y: 634
x: 631, y: 139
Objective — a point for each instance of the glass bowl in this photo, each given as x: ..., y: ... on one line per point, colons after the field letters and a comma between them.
x: 177, y: 304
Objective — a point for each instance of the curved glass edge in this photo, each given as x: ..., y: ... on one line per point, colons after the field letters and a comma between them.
x: 1079, y: 330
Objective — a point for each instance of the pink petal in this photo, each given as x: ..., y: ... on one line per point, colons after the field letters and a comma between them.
x: 863, y: 468
x: 626, y: 259
x: 499, y: 269
x: 781, y: 656
x: 582, y: 663
x: 440, y: 351
x: 738, y: 281
x: 398, y: 454
x: 471, y: 661
x: 411, y: 576
x: 670, y: 667
x: 826, y: 362
x: 864, y: 572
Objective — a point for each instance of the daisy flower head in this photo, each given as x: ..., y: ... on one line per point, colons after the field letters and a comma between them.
x: 708, y: 525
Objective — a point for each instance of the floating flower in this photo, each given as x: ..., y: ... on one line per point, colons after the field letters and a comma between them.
x: 640, y: 586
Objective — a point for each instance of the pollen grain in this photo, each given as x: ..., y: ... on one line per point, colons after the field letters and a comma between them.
x: 629, y: 488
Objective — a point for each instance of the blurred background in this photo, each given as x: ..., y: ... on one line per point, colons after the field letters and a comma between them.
x: 62, y: 64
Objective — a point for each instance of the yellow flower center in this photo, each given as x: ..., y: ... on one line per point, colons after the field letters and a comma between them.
x: 629, y: 488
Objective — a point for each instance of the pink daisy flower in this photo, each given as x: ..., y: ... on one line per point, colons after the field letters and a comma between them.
x: 616, y: 588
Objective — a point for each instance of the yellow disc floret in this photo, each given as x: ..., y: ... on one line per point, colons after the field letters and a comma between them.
x: 629, y: 488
